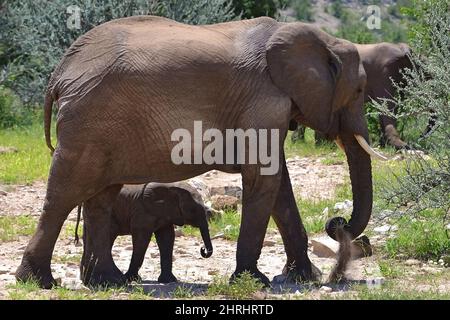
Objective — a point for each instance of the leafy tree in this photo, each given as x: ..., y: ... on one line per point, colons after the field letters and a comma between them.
x: 35, y: 33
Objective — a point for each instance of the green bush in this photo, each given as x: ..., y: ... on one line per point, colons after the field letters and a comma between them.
x: 257, y: 8
x: 423, y: 238
x: 12, y: 111
x: 303, y: 9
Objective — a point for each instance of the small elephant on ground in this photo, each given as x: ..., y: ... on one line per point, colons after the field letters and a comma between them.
x: 141, y: 210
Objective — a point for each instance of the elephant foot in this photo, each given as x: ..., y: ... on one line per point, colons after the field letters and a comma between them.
x: 28, y: 271
x: 255, y: 273
x: 307, y: 272
x: 130, y: 277
x: 167, y: 278
x: 109, y: 276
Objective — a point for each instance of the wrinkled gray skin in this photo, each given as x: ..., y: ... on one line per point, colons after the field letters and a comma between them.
x: 382, y: 62
x: 143, y: 210
x: 125, y: 86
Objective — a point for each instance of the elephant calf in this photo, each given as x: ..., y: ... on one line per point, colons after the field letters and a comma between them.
x: 141, y: 210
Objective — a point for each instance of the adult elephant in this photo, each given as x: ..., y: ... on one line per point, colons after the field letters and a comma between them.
x: 125, y: 86
x: 383, y: 62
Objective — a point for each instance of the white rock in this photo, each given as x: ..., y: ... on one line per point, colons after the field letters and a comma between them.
x: 346, y: 205
x: 4, y: 269
x: 325, y: 212
x: 325, y: 289
x: 269, y: 243
x: 413, y: 262
x: 385, y: 228
x: 324, y: 247
x: 339, y: 206
x: 218, y: 236
x: 447, y: 226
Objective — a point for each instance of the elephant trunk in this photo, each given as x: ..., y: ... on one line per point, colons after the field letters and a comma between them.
x: 361, y: 178
x: 207, y: 250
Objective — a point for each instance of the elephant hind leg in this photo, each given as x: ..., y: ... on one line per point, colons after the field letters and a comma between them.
x: 68, y: 185
x: 97, y: 265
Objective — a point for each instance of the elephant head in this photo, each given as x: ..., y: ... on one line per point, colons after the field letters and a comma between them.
x: 193, y: 213
x: 384, y: 63
x: 325, y: 80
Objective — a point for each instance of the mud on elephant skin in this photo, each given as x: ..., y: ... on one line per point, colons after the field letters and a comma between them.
x: 153, y: 208
x: 125, y: 86
x: 383, y: 62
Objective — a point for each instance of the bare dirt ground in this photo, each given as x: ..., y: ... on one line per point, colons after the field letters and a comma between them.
x: 310, y: 177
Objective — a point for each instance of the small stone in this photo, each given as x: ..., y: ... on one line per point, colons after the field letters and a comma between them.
x: 259, y: 295
x: 4, y: 269
x: 413, y: 262
x: 70, y: 274
x: 220, y: 235
x: 128, y: 248
x: 178, y: 232
x: 269, y: 243
x: 213, y: 272
x: 154, y: 255
x: 3, y: 192
x: 4, y: 150
x: 325, y: 289
x: 224, y: 202
x: 385, y: 228
x: 180, y: 251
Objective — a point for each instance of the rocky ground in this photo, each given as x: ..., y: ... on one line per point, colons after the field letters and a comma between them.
x: 312, y: 180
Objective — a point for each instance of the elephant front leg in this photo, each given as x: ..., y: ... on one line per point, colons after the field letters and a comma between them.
x: 165, y: 238
x: 141, y: 240
x: 259, y: 193
x: 286, y: 216
x: 97, y: 265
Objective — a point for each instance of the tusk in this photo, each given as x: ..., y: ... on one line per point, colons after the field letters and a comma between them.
x: 363, y: 143
x: 339, y: 143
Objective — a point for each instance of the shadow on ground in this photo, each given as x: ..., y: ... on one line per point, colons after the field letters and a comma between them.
x: 176, y: 289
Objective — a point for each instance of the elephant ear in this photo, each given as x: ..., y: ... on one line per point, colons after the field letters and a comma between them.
x: 302, y: 64
x: 183, y: 198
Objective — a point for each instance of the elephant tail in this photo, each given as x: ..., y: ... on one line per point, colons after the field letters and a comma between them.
x: 77, y: 238
x: 48, y: 104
